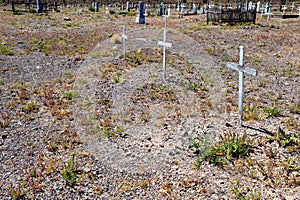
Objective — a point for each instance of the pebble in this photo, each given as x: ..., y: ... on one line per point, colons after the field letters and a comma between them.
x: 55, y: 187
x: 174, y: 167
x: 86, y: 170
x: 184, y: 133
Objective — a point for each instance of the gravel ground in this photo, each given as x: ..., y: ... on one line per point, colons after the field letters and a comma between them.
x: 130, y: 131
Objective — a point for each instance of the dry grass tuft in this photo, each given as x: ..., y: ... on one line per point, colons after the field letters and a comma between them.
x: 116, y: 39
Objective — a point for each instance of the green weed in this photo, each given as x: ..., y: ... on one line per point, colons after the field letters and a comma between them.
x: 225, y: 58
x: 69, y: 75
x: 109, y: 131
x: 210, y: 51
x: 60, y: 38
x: 91, y: 8
x: 256, y: 61
x: 200, y: 146
x: 290, y: 141
x: 12, y: 23
x: 129, y: 14
x: 251, y: 113
x: 118, y: 79
x: 192, y: 86
x: 112, y: 12
x: 206, y: 79
x: 71, y: 94
x: 110, y: 35
x: 295, y: 107
x: 6, y: 50
x: 231, y: 146
x: 290, y: 165
x: 31, y: 107
x: 272, y: 112
x: 241, y: 193
x: 68, y: 173
x: 16, y: 192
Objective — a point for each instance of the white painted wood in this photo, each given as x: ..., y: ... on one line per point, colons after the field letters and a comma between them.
x: 241, y: 69
x: 164, y: 44
x: 124, y: 36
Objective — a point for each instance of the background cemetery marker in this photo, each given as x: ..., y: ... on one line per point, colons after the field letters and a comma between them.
x: 292, y: 6
x: 284, y: 7
x: 39, y: 7
x: 164, y: 44
x: 268, y: 13
x: 124, y: 36
x: 140, y: 19
x: 241, y: 69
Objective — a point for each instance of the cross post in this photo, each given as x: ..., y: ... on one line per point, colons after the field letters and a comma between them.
x: 262, y: 10
x: 164, y: 44
x: 241, y: 69
x: 124, y: 36
x: 293, y: 6
x: 284, y: 7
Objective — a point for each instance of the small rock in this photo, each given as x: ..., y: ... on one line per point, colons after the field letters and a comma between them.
x: 86, y: 170
x: 210, y: 126
x: 55, y: 187
x: 184, y: 133
x: 67, y: 19
x: 228, y: 125
x: 174, y: 167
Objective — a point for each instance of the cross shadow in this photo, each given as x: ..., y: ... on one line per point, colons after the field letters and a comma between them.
x: 262, y: 130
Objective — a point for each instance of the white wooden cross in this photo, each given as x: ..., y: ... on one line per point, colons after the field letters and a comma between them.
x: 124, y: 36
x: 283, y: 9
x: 164, y: 44
x: 262, y: 10
x: 269, y: 13
x: 241, y: 69
x: 293, y: 6
x: 210, y: 5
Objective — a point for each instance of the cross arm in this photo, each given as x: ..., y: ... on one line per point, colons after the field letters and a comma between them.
x: 242, y: 69
x: 124, y: 36
x: 164, y: 44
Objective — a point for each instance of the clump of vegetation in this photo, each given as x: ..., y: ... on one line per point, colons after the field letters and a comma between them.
x: 250, y: 112
x: 134, y: 60
x: 71, y: 94
x: 91, y: 8
x: 6, y: 50
x: 241, y: 192
x: 273, y: 111
x: 118, y: 79
x: 112, y: 131
x: 16, y: 192
x: 210, y: 51
x: 68, y: 173
x: 291, y: 141
x: 31, y: 107
x: 108, y: 128
x: 112, y: 12
x: 116, y: 39
x: 231, y: 146
x: 131, y: 13
x: 256, y: 61
x: 295, y: 108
